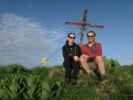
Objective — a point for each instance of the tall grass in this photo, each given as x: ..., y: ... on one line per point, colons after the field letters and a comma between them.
x: 43, y: 83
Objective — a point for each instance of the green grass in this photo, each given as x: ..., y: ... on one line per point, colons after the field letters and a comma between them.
x: 43, y: 83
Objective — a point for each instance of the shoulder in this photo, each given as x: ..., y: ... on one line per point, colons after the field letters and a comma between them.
x: 84, y: 45
x: 77, y: 46
x: 64, y: 46
x: 98, y: 44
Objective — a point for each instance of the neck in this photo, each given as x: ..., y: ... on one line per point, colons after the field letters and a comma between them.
x: 91, y: 42
x: 70, y: 43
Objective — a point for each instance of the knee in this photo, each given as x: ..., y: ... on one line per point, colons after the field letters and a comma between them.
x: 82, y: 60
x: 99, y: 59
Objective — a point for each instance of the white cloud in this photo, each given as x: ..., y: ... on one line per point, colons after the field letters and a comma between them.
x: 24, y: 41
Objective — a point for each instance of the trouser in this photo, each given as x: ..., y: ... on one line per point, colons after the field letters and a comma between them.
x: 71, y: 69
x: 98, y: 60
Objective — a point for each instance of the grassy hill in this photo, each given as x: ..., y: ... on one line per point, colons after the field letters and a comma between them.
x: 44, y: 83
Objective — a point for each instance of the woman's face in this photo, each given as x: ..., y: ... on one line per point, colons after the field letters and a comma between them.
x: 71, y: 38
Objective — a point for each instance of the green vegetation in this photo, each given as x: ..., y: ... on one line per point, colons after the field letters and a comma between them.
x: 44, y: 83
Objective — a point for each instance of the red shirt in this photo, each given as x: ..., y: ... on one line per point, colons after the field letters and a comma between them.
x: 95, y: 50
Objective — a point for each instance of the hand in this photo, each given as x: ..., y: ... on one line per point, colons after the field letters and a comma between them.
x: 85, y: 56
x: 76, y: 58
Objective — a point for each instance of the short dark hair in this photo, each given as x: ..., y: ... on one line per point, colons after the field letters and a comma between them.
x: 92, y: 32
x: 71, y: 34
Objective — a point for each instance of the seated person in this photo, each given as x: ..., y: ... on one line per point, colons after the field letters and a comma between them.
x: 92, y: 51
x: 71, y: 55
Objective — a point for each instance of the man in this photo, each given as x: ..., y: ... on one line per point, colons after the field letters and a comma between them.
x: 92, y: 51
x: 71, y: 54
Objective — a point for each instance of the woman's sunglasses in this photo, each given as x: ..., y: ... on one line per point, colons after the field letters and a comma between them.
x: 71, y: 37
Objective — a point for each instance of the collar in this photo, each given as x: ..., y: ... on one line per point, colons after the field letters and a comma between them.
x: 92, y: 45
x: 70, y: 45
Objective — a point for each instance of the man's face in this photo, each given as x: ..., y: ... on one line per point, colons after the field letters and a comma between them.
x: 91, y: 37
x: 71, y: 38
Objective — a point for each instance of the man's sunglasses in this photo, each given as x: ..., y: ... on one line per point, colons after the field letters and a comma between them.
x: 71, y: 37
x: 91, y: 36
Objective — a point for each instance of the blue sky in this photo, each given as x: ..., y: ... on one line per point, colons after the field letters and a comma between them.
x: 45, y: 19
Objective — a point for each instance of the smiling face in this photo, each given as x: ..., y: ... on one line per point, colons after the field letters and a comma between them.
x: 91, y: 37
x: 71, y: 38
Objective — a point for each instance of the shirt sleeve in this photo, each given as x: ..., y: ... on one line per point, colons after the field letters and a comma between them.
x: 99, y: 50
x: 64, y: 52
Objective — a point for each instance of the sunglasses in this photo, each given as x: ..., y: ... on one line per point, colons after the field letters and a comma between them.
x: 71, y: 37
x: 91, y: 36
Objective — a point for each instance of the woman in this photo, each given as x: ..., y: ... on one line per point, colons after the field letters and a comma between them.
x: 71, y: 54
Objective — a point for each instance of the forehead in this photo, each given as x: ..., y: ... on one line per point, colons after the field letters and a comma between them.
x: 72, y: 35
x: 90, y: 33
